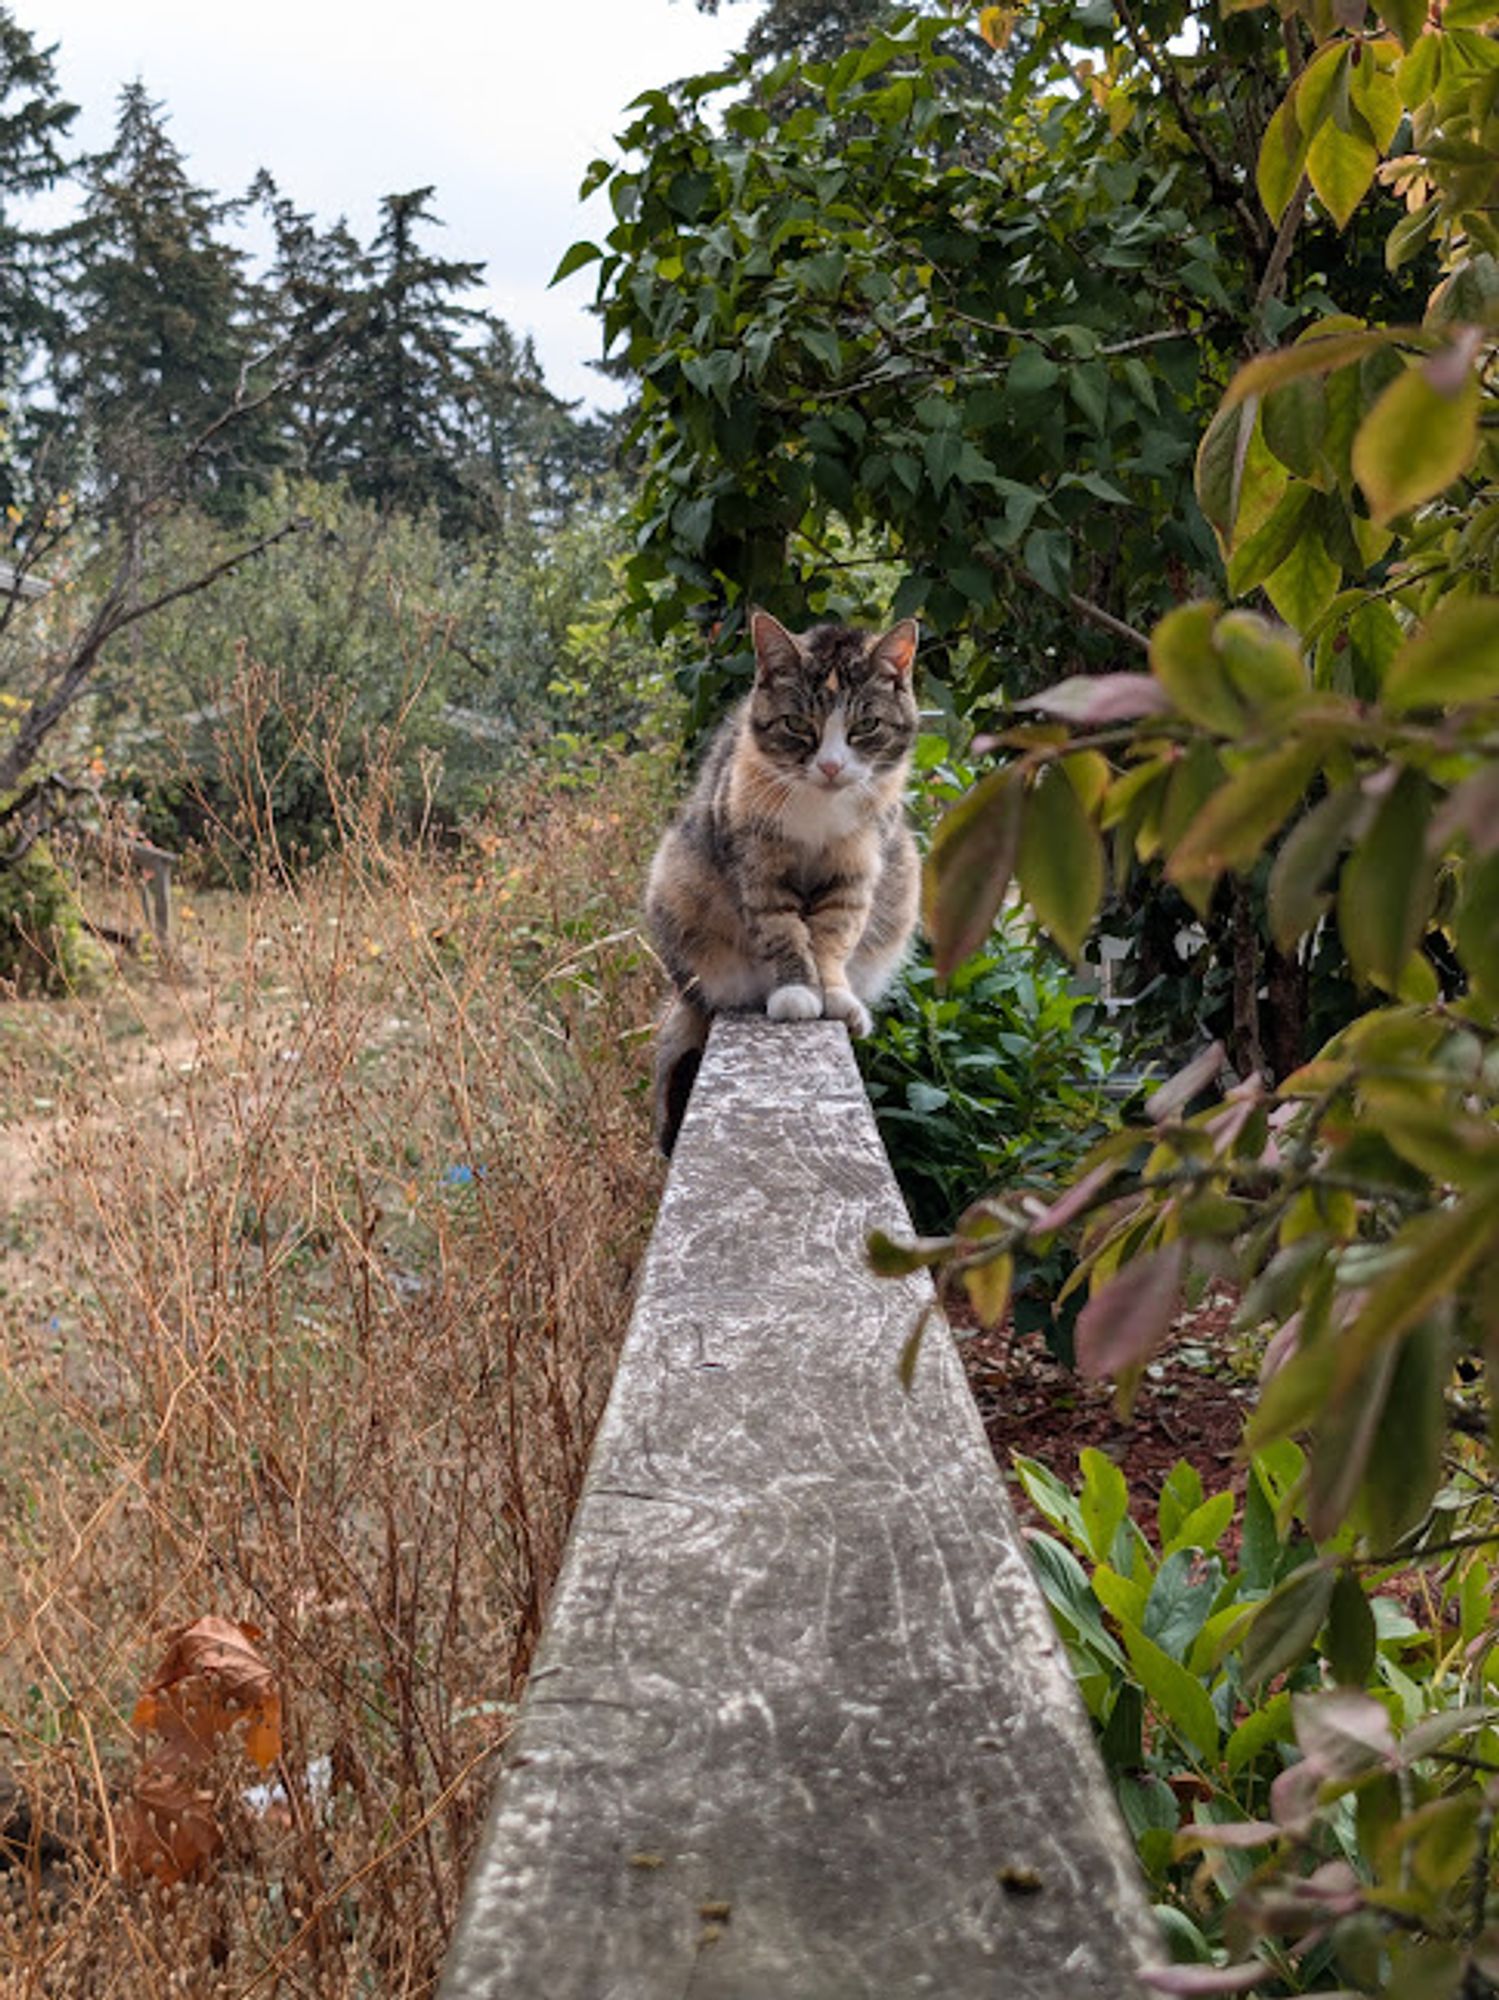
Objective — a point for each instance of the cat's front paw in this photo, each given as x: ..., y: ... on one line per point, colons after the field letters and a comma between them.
x: 794, y: 1003
x: 841, y: 1005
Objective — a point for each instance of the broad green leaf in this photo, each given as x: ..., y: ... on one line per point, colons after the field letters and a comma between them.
x: 1340, y: 166
x: 1293, y: 420
x: 1205, y: 1526
x: 1415, y: 441
x: 1059, y: 863
x: 1454, y: 659
x: 1287, y: 1624
x: 1220, y: 464
x: 1282, y: 159
x: 1185, y: 662
x: 1178, y: 1697
x: 1103, y: 1501
x: 1476, y: 925
x: 1305, y: 583
x: 1309, y: 855
x: 1405, y: 1465
x: 1384, y: 896
x: 1263, y: 1726
x: 1264, y: 663
x: 1315, y: 353
x: 1263, y: 552
x: 1439, y: 1249
x: 1181, y: 1495
x: 1405, y: 18
x: 969, y: 868
x: 1180, y: 1600
x: 573, y: 259
x: 1348, y: 1642
x: 1377, y: 99
x: 1241, y: 817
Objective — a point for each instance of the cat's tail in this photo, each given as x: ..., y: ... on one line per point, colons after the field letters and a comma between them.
x: 679, y: 1050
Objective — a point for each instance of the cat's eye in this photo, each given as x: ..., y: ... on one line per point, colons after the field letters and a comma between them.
x: 865, y: 732
x: 801, y: 734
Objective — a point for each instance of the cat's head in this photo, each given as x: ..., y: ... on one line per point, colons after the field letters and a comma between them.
x: 833, y: 707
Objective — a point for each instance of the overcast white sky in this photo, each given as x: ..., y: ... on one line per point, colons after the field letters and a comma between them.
x: 501, y: 106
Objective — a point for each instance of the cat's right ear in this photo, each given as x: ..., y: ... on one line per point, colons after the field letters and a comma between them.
x: 775, y: 649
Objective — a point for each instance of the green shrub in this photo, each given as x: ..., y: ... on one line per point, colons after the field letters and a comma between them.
x: 43, y: 946
x: 1300, y: 1761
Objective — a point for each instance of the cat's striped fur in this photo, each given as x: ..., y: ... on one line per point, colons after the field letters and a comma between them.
x: 789, y: 880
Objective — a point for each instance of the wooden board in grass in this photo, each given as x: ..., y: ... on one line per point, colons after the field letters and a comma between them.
x: 800, y: 1726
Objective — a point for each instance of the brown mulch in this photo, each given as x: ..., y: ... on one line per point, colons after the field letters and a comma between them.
x: 1191, y: 1405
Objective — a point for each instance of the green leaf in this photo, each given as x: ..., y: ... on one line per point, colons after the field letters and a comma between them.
x: 1405, y: 1464
x: 1263, y: 552
x: 1287, y: 1623
x: 1454, y: 659
x: 1185, y: 662
x: 1103, y: 1502
x: 969, y: 867
x: 1293, y: 419
x: 1264, y: 663
x: 942, y: 451
x: 1180, y: 1600
x: 1404, y: 18
x: 1305, y: 583
x: 1307, y: 858
x: 1220, y: 464
x: 1348, y: 1642
x: 573, y: 259
x: 1241, y: 817
x: 1385, y: 893
x: 1060, y: 860
x: 1205, y: 1526
x: 1259, y: 1729
x: 1282, y: 159
x: 1179, y: 1698
x: 1476, y: 925
x: 1047, y: 556
x: 1341, y: 166
x: 1316, y: 353
x: 1438, y: 1251
x: 1415, y: 441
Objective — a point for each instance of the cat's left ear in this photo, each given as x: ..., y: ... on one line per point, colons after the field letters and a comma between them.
x: 896, y: 649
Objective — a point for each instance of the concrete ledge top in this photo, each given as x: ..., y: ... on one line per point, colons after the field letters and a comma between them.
x: 800, y: 1727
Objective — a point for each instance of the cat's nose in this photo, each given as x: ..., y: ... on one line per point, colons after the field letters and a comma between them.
x: 830, y: 767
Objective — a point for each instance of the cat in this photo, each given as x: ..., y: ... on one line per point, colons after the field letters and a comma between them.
x: 789, y: 879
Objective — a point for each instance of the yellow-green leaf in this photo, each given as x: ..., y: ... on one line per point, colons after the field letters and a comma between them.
x: 1060, y: 860
x: 1282, y: 160
x: 1340, y: 166
x: 1240, y: 818
x: 1184, y: 661
x: 1415, y: 441
x: 969, y: 867
x: 1384, y: 896
x: 1454, y: 659
x: 988, y: 1286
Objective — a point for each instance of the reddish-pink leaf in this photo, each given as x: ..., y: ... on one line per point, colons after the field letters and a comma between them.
x: 1179, y: 1090
x: 1124, y: 1323
x: 1102, y: 698
x: 1066, y: 1208
x: 1207, y: 1979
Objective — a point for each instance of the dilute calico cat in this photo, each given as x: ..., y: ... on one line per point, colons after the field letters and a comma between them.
x: 789, y: 880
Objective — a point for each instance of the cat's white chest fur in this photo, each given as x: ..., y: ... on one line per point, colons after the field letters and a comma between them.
x: 815, y: 815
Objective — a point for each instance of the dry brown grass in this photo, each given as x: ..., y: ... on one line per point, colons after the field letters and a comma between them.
x: 321, y: 1249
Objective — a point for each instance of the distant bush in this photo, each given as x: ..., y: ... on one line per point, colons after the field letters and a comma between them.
x: 43, y: 946
x: 365, y: 624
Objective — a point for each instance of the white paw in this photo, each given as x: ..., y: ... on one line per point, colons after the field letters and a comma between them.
x: 841, y: 1005
x: 794, y: 1003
